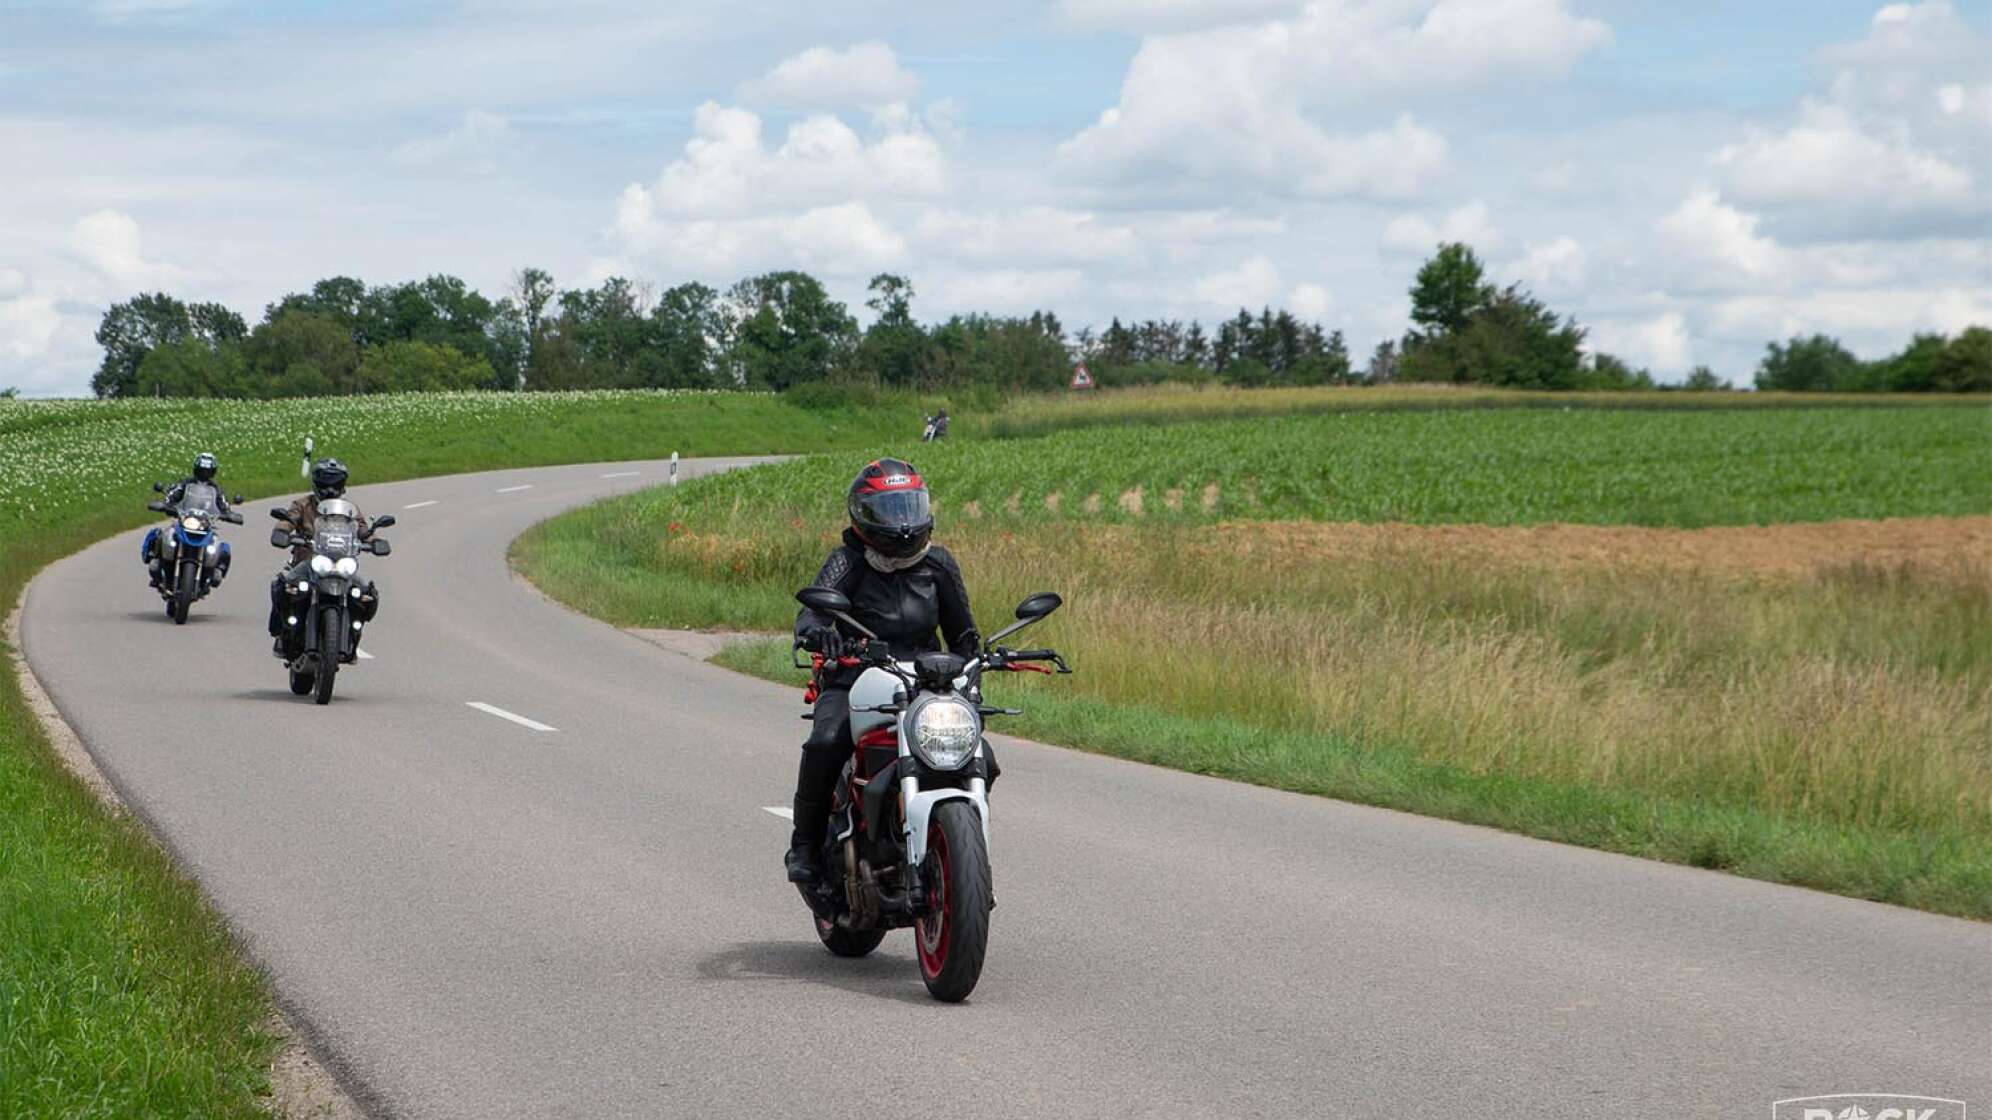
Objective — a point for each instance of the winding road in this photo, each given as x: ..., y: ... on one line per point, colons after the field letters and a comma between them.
x: 522, y: 866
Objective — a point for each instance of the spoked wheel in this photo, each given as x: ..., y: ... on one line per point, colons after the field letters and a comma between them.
x: 954, y: 936
x: 184, y: 587
x: 328, y: 658
x: 848, y: 942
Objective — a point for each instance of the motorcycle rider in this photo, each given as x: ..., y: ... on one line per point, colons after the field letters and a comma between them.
x: 206, y: 466
x: 902, y: 587
x: 328, y: 481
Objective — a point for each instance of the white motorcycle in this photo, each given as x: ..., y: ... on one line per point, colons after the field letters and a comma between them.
x: 908, y: 838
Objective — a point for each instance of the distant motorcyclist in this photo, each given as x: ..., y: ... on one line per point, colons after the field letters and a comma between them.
x: 328, y: 481
x: 206, y: 467
x: 902, y: 587
x: 937, y: 427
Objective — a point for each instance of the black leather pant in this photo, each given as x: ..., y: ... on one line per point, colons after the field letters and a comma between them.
x: 823, y: 755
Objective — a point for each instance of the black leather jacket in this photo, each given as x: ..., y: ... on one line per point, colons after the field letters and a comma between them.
x: 903, y: 607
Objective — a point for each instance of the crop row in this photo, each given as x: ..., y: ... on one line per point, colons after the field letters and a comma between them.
x: 1499, y: 467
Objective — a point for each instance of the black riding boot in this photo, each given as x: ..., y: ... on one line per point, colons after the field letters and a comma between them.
x: 823, y: 755
x: 811, y: 816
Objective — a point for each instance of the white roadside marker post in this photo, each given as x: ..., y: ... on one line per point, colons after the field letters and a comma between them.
x: 674, y: 468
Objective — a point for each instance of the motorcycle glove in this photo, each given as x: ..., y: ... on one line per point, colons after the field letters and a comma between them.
x: 824, y: 640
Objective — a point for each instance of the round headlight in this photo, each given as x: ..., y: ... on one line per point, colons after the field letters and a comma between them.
x: 347, y: 566
x: 191, y: 524
x: 322, y: 565
x: 945, y: 732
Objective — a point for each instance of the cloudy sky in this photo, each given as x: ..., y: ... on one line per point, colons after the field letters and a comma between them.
x: 1690, y: 178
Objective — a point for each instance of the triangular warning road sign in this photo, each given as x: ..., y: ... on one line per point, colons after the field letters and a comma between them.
x: 1081, y: 379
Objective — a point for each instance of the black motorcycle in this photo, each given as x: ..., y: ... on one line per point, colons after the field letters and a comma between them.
x: 327, y: 602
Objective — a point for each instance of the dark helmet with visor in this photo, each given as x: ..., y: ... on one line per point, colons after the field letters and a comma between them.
x: 328, y: 479
x: 205, y: 464
x: 890, y: 510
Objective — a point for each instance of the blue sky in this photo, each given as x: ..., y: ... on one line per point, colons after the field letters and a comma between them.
x: 1689, y: 179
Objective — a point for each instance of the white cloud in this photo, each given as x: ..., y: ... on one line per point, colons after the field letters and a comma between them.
x: 1721, y: 237
x: 1830, y: 158
x: 1660, y: 344
x: 1035, y: 234
x: 1553, y: 268
x: 1238, y: 103
x: 1899, y: 144
x: 27, y: 327
x: 727, y: 169
x: 1169, y: 15
x: 822, y: 77
x: 1310, y: 301
x: 109, y: 242
x: 478, y: 145
x: 1414, y: 233
x: 1255, y: 283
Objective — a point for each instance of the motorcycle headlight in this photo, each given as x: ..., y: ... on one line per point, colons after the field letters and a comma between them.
x: 193, y: 524
x: 322, y: 565
x: 347, y: 566
x: 944, y: 733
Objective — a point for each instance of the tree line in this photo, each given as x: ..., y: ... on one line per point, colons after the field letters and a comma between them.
x: 782, y: 331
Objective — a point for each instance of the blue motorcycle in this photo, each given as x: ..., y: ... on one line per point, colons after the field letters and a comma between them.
x: 188, y: 558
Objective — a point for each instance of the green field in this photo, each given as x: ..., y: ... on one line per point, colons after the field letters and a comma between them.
x: 1831, y: 727
x: 120, y: 992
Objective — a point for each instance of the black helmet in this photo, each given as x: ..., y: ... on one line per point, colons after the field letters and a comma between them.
x: 889, y: 508
x: 328, y: 478
x: 205, y: 465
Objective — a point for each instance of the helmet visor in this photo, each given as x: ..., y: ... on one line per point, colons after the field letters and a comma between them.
x: 900, y: 511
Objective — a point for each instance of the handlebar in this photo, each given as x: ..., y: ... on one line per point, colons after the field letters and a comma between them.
x: 159, y: 507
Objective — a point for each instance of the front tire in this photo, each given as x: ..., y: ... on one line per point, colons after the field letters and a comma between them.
x: 184, y: 587
x: 953, y: 938
x: 328, y: 657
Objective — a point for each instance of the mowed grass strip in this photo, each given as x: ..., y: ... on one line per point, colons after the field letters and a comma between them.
x: 1829, y: 724
x: 121, y: 993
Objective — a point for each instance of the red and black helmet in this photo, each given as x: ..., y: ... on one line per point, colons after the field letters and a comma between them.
x: 889, y: 508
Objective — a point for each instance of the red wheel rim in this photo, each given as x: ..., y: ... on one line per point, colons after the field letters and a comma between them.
x: 935, y: 931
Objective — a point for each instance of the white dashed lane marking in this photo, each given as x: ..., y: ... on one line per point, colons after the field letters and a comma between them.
x: 419, y: 505
x: 514, y: 489
x: 623, y: 474
x: 365, y: 656
x: 513, y: 716
x: 783, y: 812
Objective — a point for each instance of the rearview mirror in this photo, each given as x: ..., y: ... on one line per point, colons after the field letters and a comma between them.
x: 1039, y: 605
x: 828, y: 600
x: 159, y: 488
x: 380, y: 547
x: 237, y: 499
x: 383, y: 521
x: 280, y: 537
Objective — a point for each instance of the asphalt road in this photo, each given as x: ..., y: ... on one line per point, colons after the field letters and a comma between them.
x: 479, y: 919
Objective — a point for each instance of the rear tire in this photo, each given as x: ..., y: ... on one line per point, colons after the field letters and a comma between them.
x: 328, y: 657
x: 952, y: 941
x: 184, y: 587
x: 301, y: 683
x: 848, y: 942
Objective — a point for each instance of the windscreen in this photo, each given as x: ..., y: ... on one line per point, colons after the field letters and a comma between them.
x: 200, y: 496
x: 335, y: 535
